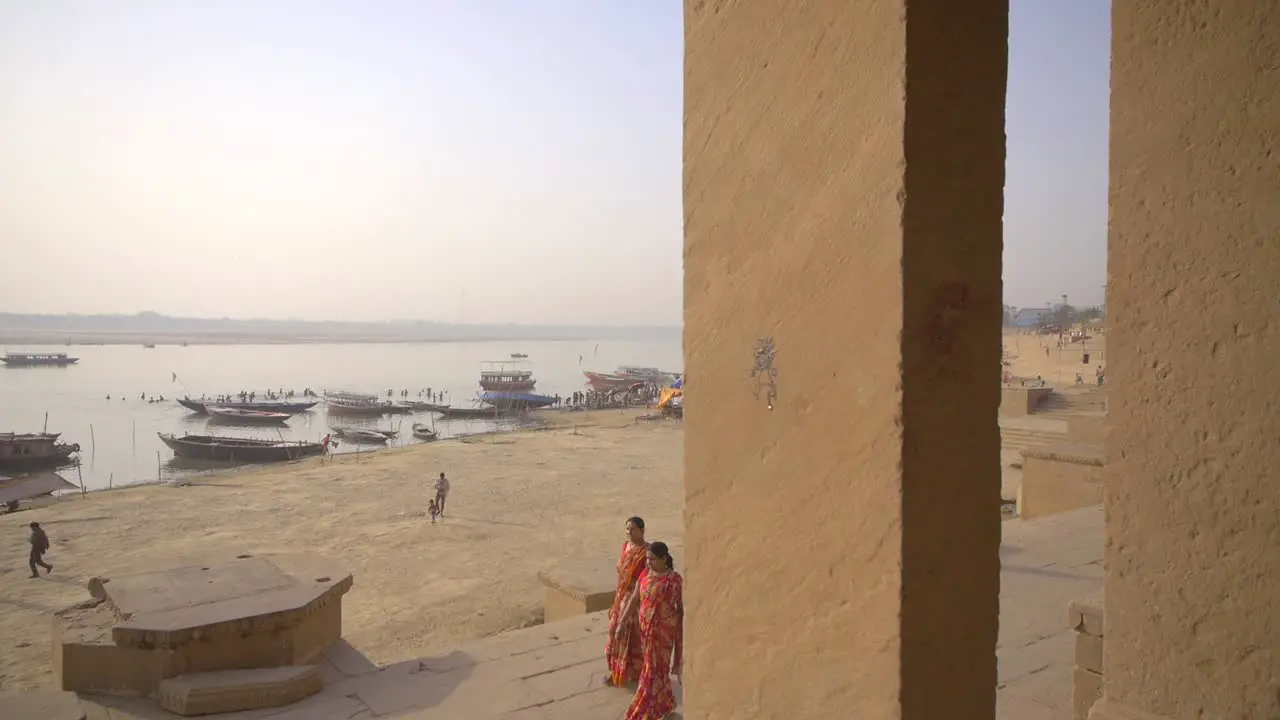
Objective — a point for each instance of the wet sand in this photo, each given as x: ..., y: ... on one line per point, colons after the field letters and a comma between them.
x: 520, y: 502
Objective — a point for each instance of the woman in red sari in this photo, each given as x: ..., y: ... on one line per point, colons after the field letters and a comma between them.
x: 660, y: 603
x: 622, y: 648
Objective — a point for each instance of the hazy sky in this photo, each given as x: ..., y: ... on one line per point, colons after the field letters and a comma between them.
x: 455, y: 160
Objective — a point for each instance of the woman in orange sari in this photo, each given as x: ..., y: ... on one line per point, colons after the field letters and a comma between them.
x: 622, y: 648
x: 661, y: 614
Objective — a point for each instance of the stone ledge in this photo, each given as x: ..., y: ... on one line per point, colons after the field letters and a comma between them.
x: 1078, y: 453
x: 1103, y: 710
x: 234, y: 690
x: 1086, y: 614
x: 577, y: 587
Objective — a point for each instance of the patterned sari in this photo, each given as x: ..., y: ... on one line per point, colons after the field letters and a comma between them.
x: 661, y: 631
x: 623, y: 654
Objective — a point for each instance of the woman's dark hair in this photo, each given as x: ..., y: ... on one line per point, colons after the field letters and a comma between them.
x: 637, y: 521
x: 659, y: 549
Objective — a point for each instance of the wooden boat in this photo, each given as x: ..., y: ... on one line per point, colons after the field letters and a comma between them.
x: 423, y: 432
x: 499, y: 377
x: 364, y: 435
x: 516, y: 400
x: 239, y: 450
x: 22, y: 453
x: 627, y: 376
x: 475, y: 413
x: 293, y: 408
x: 349, y: 403
x: 249, y: 417
x: 38, y: 360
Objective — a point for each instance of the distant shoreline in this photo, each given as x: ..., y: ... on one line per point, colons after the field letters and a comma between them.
x: 19, y: 340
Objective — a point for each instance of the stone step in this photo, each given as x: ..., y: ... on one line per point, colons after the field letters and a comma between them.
x: 1021, y: 439
x: 225, y: 691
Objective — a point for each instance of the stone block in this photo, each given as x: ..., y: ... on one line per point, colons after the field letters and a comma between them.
x: 1086, y: 689
x: 1089, y: 652
x: 1086, y: 614
x: 234, y: 690
x: 1087, y: 428
x: 578, y: 587
x: 1021, y: 401
x: 1058, y: 478
x: 40, y: 705
x: 242, y: 614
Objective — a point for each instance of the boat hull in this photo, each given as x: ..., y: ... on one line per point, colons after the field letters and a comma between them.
x: 26, y: 362
x: 238, y: 450
x: 508, y: 386
x: 233, y: 416
x: 60, y: 457
x: 516, y: 400
x: 474, y: 413
x: 356, y: 410
x: 291, y: 408
x: 422, y: 432
x: 607, y: 381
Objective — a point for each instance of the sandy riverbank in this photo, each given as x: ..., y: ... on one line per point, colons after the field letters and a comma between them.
x: 1058, y: 366
x: 521, y: 502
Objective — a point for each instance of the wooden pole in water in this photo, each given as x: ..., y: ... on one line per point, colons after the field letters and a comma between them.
x: 80, y: 476
x: 159, y: 473
x: 46, y: 421
x: 93, y: 442
x: 135, y: 437
x: 111, y: 480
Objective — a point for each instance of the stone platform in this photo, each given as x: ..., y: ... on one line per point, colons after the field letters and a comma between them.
x: 241, y: 613
x: 556, y: 671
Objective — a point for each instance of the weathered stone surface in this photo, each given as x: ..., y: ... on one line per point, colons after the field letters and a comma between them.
x: 577, y: 587
x: 246, y: 594
x: 556, y: 671
x: 242, y: 613
x: 1081, y: 453
x: 1059, y: 478
x: 1021, y: 401
x: 232, y: 690
x: 40, y: 705
x: 1086, y: 615
x: 843, y: 196
x: 1193, y: 511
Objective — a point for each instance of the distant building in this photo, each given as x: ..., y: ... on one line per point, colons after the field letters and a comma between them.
x: 1028, y: 317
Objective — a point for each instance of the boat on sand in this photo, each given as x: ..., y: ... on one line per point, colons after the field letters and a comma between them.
x: 424, y: 432
x: 239, y: 450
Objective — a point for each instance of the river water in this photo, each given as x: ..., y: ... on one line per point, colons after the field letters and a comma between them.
x: 118, y: 437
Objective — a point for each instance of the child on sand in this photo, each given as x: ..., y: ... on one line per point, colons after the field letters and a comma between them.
x: 433, y: 510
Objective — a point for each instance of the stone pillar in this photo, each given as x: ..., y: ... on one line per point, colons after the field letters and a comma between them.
x: 1193, y: 509
x: 843, y: 194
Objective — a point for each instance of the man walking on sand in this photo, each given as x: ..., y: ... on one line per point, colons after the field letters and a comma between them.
x: 39, y: 546
x: 442, y: 491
